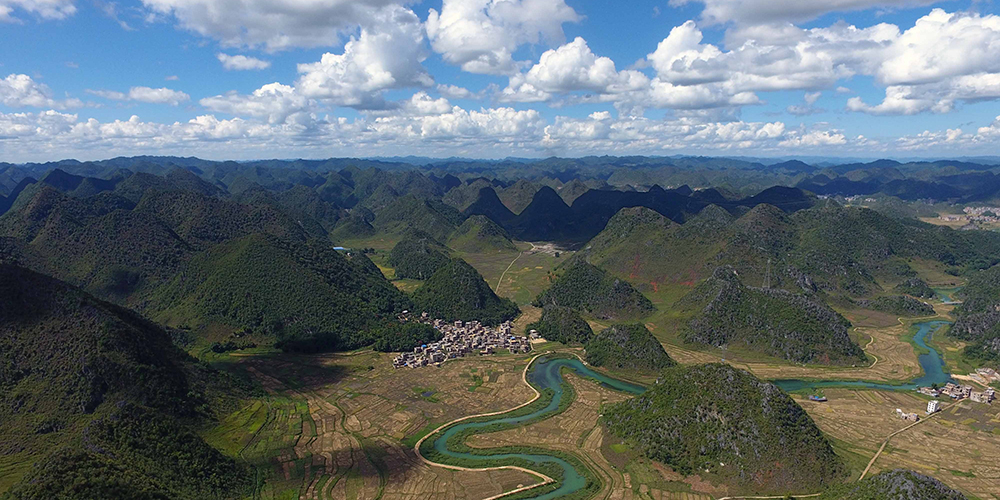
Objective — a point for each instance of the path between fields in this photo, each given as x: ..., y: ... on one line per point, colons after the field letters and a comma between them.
x: 890, y: 436
x: 497, y: 290
x: 545, y: 479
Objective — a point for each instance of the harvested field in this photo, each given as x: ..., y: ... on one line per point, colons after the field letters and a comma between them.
x: 958, y: 446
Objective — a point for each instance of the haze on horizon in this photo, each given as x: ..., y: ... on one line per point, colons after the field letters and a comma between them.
x: 498, y: 78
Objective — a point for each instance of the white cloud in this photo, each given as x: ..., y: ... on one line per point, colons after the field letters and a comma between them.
x: 812, y: 97
x: 572, y: 67
x: 172, y: 78
x: 481, y: 35
x: 241, y: 62
x: 768, y: 11
x: 455, y: 92
x: 44, y: 9
x: 274, y: 101
x: 18, y: 91
x: 161, y: 95
x: 272, y: 24
x: 816, y: 138
x: 387, y: 55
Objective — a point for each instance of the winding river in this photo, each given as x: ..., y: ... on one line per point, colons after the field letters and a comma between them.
x: 931, y: 363
x: 544, y: 374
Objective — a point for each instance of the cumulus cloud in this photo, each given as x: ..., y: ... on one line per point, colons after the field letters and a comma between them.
x: 241, y: 62
x: 150, y: 95
x: 18, y: 91
x: 271, y: 24
x: 572, y: 67
x: 274, y: 101
x: 481, y: 36
x: 455, y: 92
x: 386, y: 55
x: 769, y: 11
x: 43, y: 9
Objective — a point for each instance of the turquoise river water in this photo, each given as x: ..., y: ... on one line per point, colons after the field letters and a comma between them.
x: 931, y: 362
x: 544, y: 374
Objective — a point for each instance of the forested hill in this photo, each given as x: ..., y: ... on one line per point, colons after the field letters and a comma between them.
x: 775, y: 322
x: 104, y: 400
x: 585, y: 287
x: 458, y: 292
x: 725, y: 421
x: 828, y: 248
x: 628, y: 347
x: 893, y: 485
x: 978, y: 317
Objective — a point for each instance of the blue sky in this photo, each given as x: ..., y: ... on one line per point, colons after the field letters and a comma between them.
x: 491, y: 78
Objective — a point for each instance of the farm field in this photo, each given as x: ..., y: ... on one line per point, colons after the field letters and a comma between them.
x: 960, y: 446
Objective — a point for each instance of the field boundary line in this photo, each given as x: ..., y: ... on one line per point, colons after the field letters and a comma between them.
x: 504, y: 273
x: 890, y: 436
x: 545, y: 479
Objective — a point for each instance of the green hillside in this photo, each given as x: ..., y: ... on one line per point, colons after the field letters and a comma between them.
x: 893, y: 485
x: 458, y: 292
x: 101, y: 402
x: 562, y: 324
x: 585, y: 287
x: 900, y: 305
x: 978, y: 316
x: 418, y: 256
x: 302, y: 296
x: 826, y: 248
x: 410, y: 212
x: 771, y: 321
x: 742, y: 431
x: 628, y: 347
x: 479, y: 234
x: 916, y: 287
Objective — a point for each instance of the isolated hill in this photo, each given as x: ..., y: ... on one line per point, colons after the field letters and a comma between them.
x: 900, y: 305
x: 458, y: 292
x: 488, y: 204
x: 302, y: 296
x: 479, y: 234
x: 418, y: 256
x: 627, y: 347
x: 77, y: 185
x: 562, y: 324
x: 585, y: 287
x: 547, y: 217
x: 465, y: 194
x: 915, y: 287
x: 743, y: 431
x: 352, y: 227
x: 771, y: 321
x: 410, y: 212
x: 518, y: 196
x: 100, y: 400
x: 893, y: 485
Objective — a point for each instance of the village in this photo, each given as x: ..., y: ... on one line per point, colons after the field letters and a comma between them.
x: 460, y: 339
x: 957, y: 392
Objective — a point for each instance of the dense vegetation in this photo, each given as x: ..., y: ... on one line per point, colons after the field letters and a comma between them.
x: 827, y: 248
x: 479, y: 234
x: 396, y: 337
x: 770, y: 321
x: 719, y: 419
x: 103, y: 400
x: 458, y: 292
x: 304, y: 296
x: 900, y: 305
x: 586, y: 287
x: 916, y: 287
x: 562, y: 324
x: 978, y: 317
x: 893, y: 485
x: 417, y: 256
x: 627, y: 347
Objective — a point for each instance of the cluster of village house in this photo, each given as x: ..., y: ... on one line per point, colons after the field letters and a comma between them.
x: 461, y: 339
x: 957, y: 392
